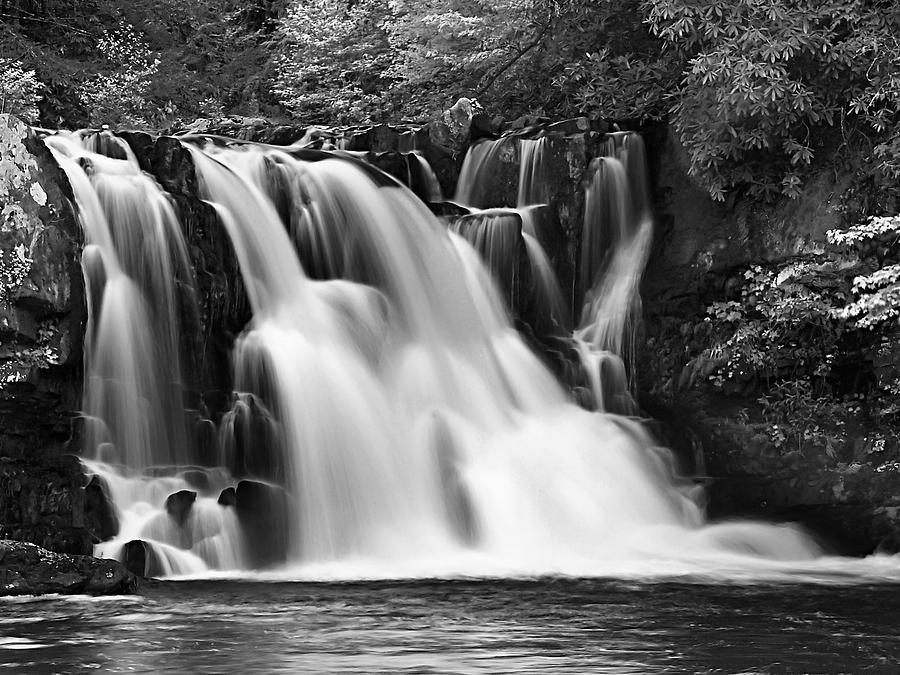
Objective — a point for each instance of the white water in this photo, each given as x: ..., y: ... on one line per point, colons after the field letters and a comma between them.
x: 501, y: 234
x: 418, y: 434
x: 425, y: 435
x: 134, y: 260
x: 616, y: 238
x: 138, y: 280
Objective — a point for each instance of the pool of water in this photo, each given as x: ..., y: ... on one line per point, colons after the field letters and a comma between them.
x: 489, y: 626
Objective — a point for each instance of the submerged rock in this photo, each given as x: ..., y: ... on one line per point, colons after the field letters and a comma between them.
x: 27, y: 569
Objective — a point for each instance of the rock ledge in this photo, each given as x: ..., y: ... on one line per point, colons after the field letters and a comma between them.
x: 27, y: 569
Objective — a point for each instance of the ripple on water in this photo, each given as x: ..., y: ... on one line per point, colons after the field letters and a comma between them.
x: 17, y: 643
x: 541, y: 626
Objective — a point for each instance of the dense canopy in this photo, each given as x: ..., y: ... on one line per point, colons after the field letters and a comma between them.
x: 756, y: 90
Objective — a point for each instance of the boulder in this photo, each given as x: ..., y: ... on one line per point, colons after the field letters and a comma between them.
x: 141, y: 560
x: 262, y: 509
x: 99, y: 513
x: 197, y: 478
x: 179, y: 504
x: 227, y: 497
x: 27, y: 569
x: 459, y: 118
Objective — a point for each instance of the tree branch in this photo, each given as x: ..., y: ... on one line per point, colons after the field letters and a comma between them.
x: 509, y: 64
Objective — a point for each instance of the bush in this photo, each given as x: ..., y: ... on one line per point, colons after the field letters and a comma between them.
x: 119, y: 95
x: 764, y: 81
x: 19, y: 90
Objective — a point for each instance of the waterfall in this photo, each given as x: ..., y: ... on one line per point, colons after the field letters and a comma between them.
x: 387, y: 420
x: 139, y: 284
x: 138, y: 279
x: 477, y: 165
x: 533, y: 178
x: 616, y: 238
x: 504, y: 235
x: 422, y: 179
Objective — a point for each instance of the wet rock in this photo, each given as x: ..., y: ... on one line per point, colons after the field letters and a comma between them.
x: 497, y: 236
x: 450, y: 210
x: 41, y: 330
x: 576, y: 125
x: 250, y: 439
x: 197, y: 478
x: 42, y: 501
x: 141, y: 560
x: 482, y: 126
x: 227, y: 497
x: 179, y: 504
x: 99, y: 513
x: 27, y: 569
x: 523, y: 122
x: 263, y: 513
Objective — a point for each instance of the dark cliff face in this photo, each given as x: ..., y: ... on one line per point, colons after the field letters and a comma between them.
x: 42, y: 318
x: 842, y: 490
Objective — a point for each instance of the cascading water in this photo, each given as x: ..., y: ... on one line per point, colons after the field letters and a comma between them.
x: 616, y: 238
x: 407, y: 429
x: 139, y: 282
x: 533, y: 194
x: 138, y: 278
x: 412, y: 432
x: 503, y: 235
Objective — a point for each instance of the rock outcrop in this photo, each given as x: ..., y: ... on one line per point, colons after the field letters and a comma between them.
x: 42, y: 316
x: 847, y: 493
x: 26, y: 569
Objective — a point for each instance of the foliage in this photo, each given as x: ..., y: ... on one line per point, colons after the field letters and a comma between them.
x: 14, y: 267
x: 19, y: 90
x: 214, y: 57
x: 877, y: 292
x: 119, y: 95
x: 819, y: 340
x: 417, y: 58
x: 620, y: 86
x: 783, y: 325
x: 758, y: 91
x: 333, y: 61
x: 764, y: 78
x: 798, y: 413
x: 466, y: 47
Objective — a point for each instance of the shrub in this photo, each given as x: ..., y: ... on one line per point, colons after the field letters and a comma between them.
x: 19, y: 90
x: 119, y: 95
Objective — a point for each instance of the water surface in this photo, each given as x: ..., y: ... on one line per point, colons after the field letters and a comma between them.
x: 537, y: 626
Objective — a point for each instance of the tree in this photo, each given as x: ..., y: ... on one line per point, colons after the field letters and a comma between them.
x: 764, y: 79
x: 333, y: 61
x: 465, y: 47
